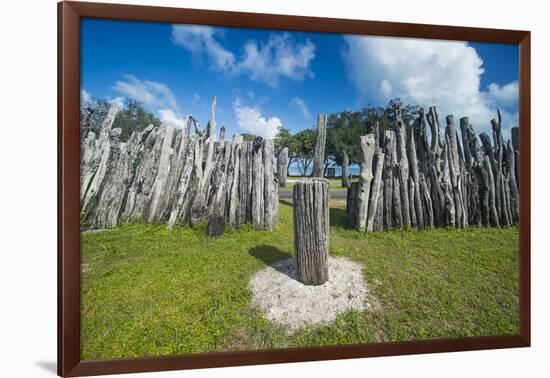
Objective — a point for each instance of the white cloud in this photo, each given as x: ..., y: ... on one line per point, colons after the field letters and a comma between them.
x: 148, y: 92
x: 157, y: 96
x: 506, y: 95
x: 278, y: 57
x: 300, y: 104
x: 170, y: 118
x: 85, y: 96
x: 250, y: 120
x: 428, y: 72
x: 200, y: 40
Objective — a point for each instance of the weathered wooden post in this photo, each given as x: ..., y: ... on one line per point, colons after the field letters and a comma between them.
x: 319, y: 151
x: 365, y: 180
x: 378, y: 164
x: 282, y: 163
x: 345, y: 169
x: 311, y: 230
x: 351, y: 203
x: 258, y: 173
x: 215, y: 226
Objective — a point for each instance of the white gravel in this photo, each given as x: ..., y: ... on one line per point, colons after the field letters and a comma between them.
x: 285, y: 301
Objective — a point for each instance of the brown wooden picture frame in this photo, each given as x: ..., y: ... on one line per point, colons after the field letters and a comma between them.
x: 69, y: 15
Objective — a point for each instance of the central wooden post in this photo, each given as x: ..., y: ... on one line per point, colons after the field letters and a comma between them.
x: 311, y: 230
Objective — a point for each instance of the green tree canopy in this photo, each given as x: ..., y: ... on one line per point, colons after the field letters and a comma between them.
x: 133, y: 117
x: 345, y: 128
x: 247, y: 137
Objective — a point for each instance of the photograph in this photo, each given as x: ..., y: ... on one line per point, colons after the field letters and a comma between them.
x: 252, y: 189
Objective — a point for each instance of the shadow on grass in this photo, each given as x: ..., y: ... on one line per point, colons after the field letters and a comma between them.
x: 285, y: 202
x: 270, y: 255
x: 338, y: 217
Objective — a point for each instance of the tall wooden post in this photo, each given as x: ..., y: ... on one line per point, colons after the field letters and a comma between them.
x: 319, y: 151
x: 311, y: 230
x: 345, y: 169
x: 282, y: 163
x: 365, y: 180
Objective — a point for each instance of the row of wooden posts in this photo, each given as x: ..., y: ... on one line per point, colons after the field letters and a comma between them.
x: 167, y: 175
x: 408, y: 181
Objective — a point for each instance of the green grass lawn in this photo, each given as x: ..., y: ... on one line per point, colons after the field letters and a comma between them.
x: 149, y: 291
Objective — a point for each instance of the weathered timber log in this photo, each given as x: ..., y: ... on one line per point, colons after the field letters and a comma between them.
x: 473, y: 160
x: 416, y: 200
x: 453, y: 157
x: 351, y: 204
x: 219, y: 185
x: 319, y: 151
x: 215, y: 225
x: 345, y: 170
x: 378, y: 164
x: 515, y: 138
x: 379, y: 216
x: 412, y: 209
x: 270, y: 195
x: 158, y: 188
x: 436, y: 146
x: 515, y: 145
x: 200, y: 204
x: 234, y: 175
x: 93, y: 157
x: 449, y: 215
x: 373, y: 127
x: 512, y: 181
x: 403, y: 167
x: 186, y: 155
x: 282, y: 166
x: 387, y: 177
x: 429, y: 220
x: 210, y: 132
x: 490, y: 190
x: 311, y: 230
x: 365, y: 178
x: 258, y: 182
x: 422, y: 144
x: 397, y: 214
x: 139, y: 196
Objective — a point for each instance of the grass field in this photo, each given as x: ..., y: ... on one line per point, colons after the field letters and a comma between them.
x: 150, y: 291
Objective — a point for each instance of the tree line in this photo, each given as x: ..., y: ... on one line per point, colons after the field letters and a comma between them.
x: 343, y: 131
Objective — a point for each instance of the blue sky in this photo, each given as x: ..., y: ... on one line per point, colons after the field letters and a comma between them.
x: 266, y: 79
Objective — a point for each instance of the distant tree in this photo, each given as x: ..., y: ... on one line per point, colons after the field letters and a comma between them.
x: 133, y: 117
x: 284, y: 139
x: 345, y: 128
x: 248, y: 137
x: 304, y: 145
x: 343, y: 132
x: 300, y: 147
x: 92, y: 113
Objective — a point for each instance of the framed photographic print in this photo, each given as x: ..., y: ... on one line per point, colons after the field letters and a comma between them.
x: 239, y: 188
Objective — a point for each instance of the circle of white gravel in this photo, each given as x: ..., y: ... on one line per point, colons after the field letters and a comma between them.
x: 285, y: 301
